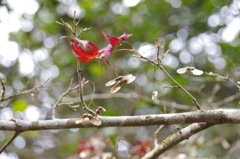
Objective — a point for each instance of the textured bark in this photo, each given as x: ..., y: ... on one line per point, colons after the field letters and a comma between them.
x: 218, y: 116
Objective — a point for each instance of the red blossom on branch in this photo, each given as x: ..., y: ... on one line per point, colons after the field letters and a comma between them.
x: 114, y: 41
x: 86, y: 51
x: 83, y: 50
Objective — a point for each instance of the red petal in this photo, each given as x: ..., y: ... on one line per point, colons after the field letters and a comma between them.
x: 112, y: 39
x: 77, y: 49
x: 85, y: 58
x: 90, y: 48
x: 85, y: 51
x: 107, y: 51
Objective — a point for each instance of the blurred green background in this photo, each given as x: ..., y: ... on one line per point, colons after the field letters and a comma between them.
x: 203, y: 34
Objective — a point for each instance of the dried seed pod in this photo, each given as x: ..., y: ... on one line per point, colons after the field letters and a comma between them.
x: 189, y: 68
x: 118, y: 81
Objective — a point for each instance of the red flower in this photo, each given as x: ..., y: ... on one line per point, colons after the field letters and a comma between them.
x: 84, y: 51
x: 114, y: 41
x: 106, y: 51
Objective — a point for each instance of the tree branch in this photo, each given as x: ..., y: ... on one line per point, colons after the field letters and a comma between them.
x: 175, y: 138
x: 70, y: 88
x: 22, y: 92
x: 74, y: 101
x: 9, y: 141
x: 218, y: 116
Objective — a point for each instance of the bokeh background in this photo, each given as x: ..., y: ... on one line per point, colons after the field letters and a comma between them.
x: 203, y: 34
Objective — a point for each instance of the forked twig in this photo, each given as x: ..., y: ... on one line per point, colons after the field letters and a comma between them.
x: 175, y: 138
x: 79, y: 69
x: 224, y: 78
x: 61, y: 97
x: 159, y: 64
x: 180, y: 86
x: 17, y: 132
x: 74, y: 28
x: 22, y: 92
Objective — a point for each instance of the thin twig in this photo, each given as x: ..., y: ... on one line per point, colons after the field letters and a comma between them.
x: 3, y: 90
x: 79, y: 72
x: 169, y: 76
x: 156, y: 133
x: 61, y: 97
x: 180, y: 86
x: 79, y: 69
x: 9, y: 141
x: 224, y: 78
x: 159, y: 60
x: 66, y: 25
x: 23, y: 92
x: 166, y: 86
x: 226, y: 100
x: 128, y: 96
x: 75, y: 25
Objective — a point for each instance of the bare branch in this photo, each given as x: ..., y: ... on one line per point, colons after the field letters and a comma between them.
x: 218, y: 116
x: 175, y: 138
x: 17, y: 132
x: 226, y: 100
x: 9, y: 141
x: 128, y: 96
x: 224, y: 78
x: 180, y: 86
x: 159, y: 64
x: 23, y: 92
x: 61, y: 97
x: 80, y: 82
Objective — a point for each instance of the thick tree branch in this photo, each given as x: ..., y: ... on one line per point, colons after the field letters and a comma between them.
x: 175, y: 138
x: 218, y: 116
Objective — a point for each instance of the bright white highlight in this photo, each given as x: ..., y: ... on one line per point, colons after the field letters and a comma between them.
x: 130, y: 3
x: 24, y: 6
x: 9, y: 53
x: 231, y: 31
x: 26, y: 63
x: 32, y: 113
x: 147, y: 49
